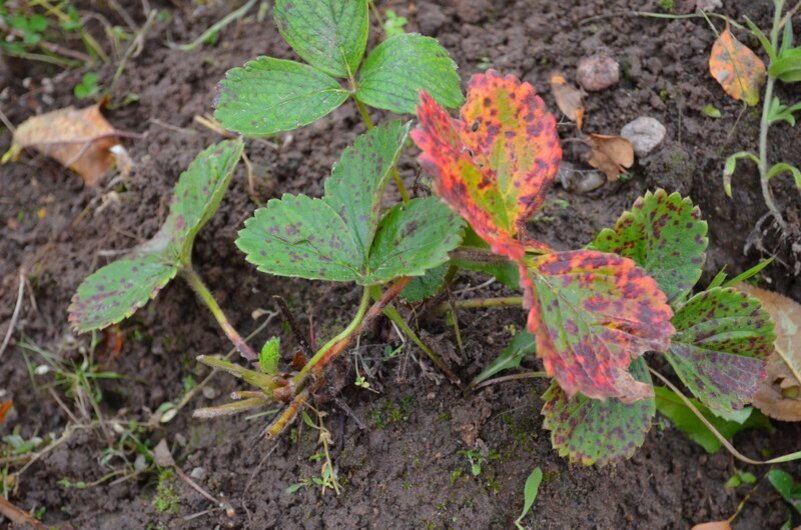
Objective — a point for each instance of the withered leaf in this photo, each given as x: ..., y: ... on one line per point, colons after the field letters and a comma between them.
x: 568, y: 98
x: 739, y: 70
x: 79, y: 139
x: 611, y: 154
x: 780, y: 394
x: 713, y: 525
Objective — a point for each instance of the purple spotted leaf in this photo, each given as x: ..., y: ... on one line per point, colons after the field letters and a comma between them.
x: 591, y: 431
x: 719, y: 351
x: 665, y: 235
x: 117, y: 290
x: 342, y: 237
x: 593, y: 313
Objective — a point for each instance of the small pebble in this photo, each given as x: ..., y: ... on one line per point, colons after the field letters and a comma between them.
x: 645, y: 134
x: 198, y: 473
x: 597, y: 72
x: 210, y: 392
x: 579, y: 182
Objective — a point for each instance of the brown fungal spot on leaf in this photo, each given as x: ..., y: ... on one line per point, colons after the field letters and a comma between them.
x: 81, y: 140
x: 611, y: 154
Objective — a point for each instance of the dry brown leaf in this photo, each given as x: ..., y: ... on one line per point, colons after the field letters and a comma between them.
x: 611, y: 154
x: 79, y: 139
x: 713, y: 525
x: 780, y: 394
x: 739, y: 71
x: 568, y: 98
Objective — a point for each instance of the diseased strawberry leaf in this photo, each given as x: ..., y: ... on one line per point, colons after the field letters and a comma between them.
x: 592, y: 431
x: 397, y: 70
x: 663, y: 234
x: 722, y: 340
x: 494, y: 165
x: 593, y: 313
x: 330, y: 35
x: 117, y: 290
x: 340, y: 237
x: 268, y: 96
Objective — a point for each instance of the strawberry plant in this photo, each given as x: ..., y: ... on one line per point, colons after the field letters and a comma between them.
x: 591, y: 313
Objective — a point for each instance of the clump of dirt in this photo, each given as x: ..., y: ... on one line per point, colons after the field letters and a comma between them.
x: 401, y: 453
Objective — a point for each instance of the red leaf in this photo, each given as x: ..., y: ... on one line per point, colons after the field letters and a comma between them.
x: 495, y: 164
x: 593, y: 313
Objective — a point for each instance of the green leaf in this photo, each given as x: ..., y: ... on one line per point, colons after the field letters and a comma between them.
x: 783, y: 483
x: 198, y: 194
x: 593, y: 431
x: 270, y: 355
x: 530, y: 491
x: 265, y: 382
x: 427, y: 285
x: 358, y: 180
x: 711, y: 111
x: 400, y: 67
x: 340, y: 237
x: 267, y: 96
x: 723, y: 337
x: 665, y: 235
x: 783, y: 167
x: 780, y: 112
x: 787, y: 66
x: 330, y: 35
x: 673, y: 408
x: 412, y: 238
x: 522, y: 345
x: 116, y: 291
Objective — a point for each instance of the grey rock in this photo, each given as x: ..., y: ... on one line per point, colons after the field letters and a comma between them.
x: 579, y: 181
x: 645, y: 134
x: 597, y: 72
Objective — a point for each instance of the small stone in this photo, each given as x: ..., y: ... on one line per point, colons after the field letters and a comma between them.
x: 645, y: 134
x: 198, y: 473
x: 597, y: 72
x: 210, y: 392
x: 579, y: 182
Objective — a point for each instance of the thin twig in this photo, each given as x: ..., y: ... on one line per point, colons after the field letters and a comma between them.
x: 513, y: 377
x: 230, y: 17
x: 18, y: 516
x: 133, y: 50
x: 15, y: 315
x: 293, y: 325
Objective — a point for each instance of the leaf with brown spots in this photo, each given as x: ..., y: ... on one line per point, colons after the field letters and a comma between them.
x: 739, y: 70
x: 779, y: 396
x: 665, y: 235
x: 117, y: 290
x: 495, y: 164
x: 591, y: 431
x: 611, y: 154
x: 594, y: 313
x: 568, y: 98
x: 723, y: 338
x: 79, y: 139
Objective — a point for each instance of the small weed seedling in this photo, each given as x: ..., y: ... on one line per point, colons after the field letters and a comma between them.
x: 742, y: 74
x: 592, y: 313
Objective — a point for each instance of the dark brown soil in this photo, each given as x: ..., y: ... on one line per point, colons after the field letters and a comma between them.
x: 404, y: 469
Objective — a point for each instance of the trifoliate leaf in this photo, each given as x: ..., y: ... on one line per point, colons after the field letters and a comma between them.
x: 593, y: 314
x: 663, y: 234
x: 592, y: 431
x: 400, y: 67
x: 116, y: 291
x: 719, y: 351
x: 330, y: 35
x: 267, y: 96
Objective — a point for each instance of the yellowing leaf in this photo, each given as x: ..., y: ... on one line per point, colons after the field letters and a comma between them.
x: 79, y: 139
x: 568, y: 98
x: 780, y: 394
x: 611, y: 154
x: 739, y: 71
x: 713, y: 525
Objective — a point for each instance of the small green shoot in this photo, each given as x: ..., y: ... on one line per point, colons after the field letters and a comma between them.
x: 739, y: 478
x: 394, y: 24
x: 530, y: 491
x: 87, y: 88
x: 711, y: 111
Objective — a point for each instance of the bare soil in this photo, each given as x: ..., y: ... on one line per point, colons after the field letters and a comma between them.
x: 397, y: 451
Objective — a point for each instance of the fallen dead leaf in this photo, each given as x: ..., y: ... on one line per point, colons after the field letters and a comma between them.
x: 713, y: 525
x: 79, y: 139
x: 739, y: 70
x: 5, y: 406
x: 611, y: 154
x: 568, y: 98
x: 780, y: 394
